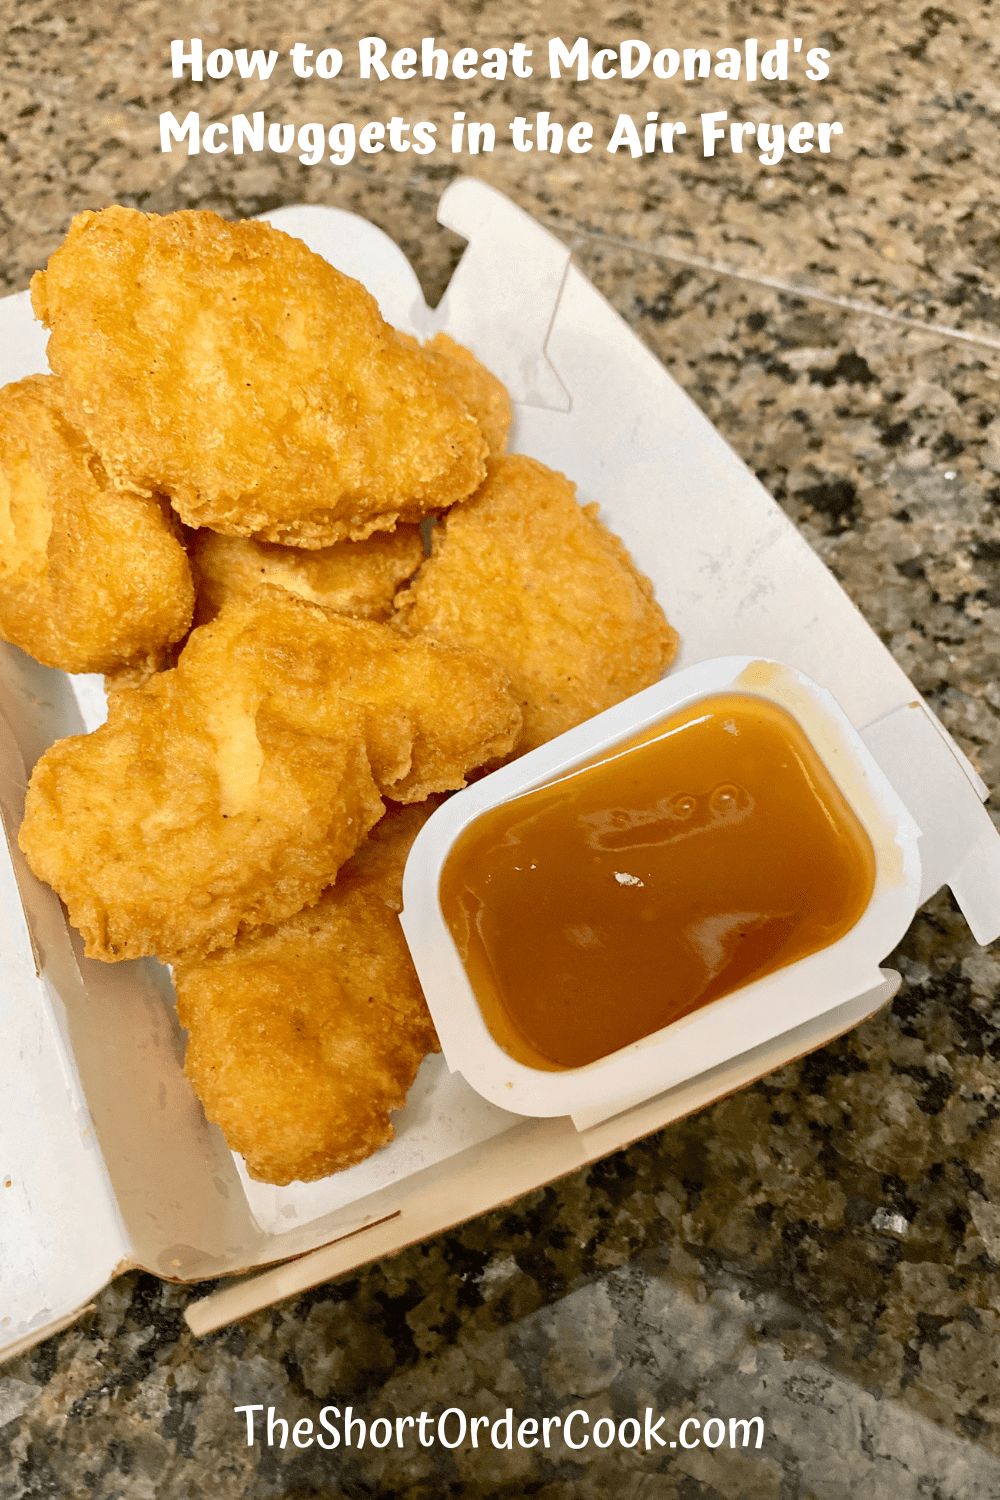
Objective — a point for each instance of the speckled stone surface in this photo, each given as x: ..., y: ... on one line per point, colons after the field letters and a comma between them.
x: 824, y: 1248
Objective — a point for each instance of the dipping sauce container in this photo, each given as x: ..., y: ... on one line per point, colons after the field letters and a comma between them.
x: 679, y: 880
x: 707, y: 851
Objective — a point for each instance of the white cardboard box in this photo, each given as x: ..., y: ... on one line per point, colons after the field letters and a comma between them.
x: 106, y: 1161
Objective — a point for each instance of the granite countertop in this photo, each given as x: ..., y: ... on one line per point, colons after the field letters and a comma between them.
x: 824, y: 1247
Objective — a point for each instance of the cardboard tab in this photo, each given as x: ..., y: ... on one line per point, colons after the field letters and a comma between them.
x: 975, y: 883
x: 511, y: 262
x: 958, y: 843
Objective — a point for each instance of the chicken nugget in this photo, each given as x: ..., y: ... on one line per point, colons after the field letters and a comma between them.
x: 352, y: 578
x: 229, y: 367
x: 226, y: 793
x: 92, y: 579
x: 484, y: 395
x: 529, y: 576
x: 171, y: 829
x: 303, y: 1038
x: 431, y: 712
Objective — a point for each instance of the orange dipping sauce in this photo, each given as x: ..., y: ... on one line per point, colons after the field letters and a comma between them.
x: 710, y: 850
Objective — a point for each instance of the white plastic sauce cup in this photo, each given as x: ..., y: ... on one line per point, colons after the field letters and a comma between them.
x: 724, y: 1028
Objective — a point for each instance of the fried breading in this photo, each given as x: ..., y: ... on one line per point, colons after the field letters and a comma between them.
x: 170, y: 829
x: 484, y: 395
x: 430, y: 712
x: 352, y: 578
x: 137, y: 674
x: 226, y: 793
x: 529, y: 576
x: 229, y: 367
x: 303, y: 1038
x: 91, y: 579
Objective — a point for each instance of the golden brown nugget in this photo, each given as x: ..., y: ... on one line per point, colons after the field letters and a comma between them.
x: 225, y: 794
x: 484, y: 395
x: 526, y: 574
x: 352, y: 578
x: 303, y: 1038
x: 430, y: 712
x: 229, y: 367
x: 172, y: 828
x: 91, y: 579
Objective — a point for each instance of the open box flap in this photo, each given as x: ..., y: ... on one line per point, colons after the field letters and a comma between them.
x: 63, y: 1237
x: 732, y: 573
